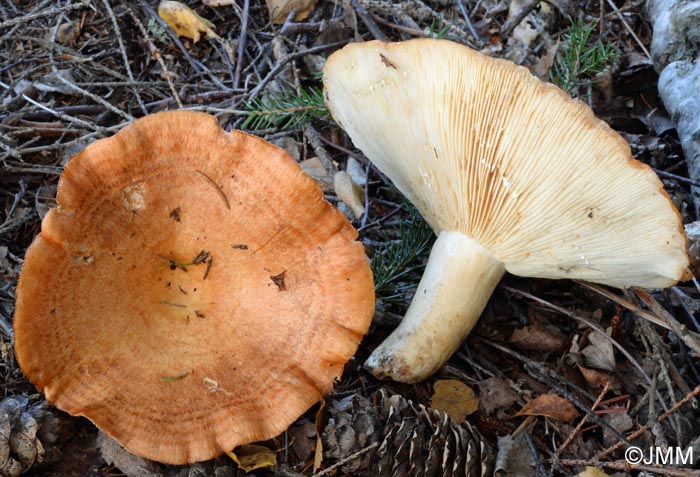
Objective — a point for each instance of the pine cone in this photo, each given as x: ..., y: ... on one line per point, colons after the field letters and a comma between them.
x: 411, y: 441
x: 28, y: 432
x: 355, y: 424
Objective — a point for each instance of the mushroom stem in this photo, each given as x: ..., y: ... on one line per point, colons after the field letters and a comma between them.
x: 457, y: 283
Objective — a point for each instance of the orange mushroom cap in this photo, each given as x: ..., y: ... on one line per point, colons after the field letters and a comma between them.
x: 192, y: 291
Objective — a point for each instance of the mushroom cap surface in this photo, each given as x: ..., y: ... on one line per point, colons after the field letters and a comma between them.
x: 481, y: 146
x: 193, y: 291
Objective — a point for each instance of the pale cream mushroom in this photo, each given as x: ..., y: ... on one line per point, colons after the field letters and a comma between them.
x: 512, y: 175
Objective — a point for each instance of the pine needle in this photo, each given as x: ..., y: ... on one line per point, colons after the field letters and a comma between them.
x: 286, y: 110
x: 578, y: 62
x: 394, y: 264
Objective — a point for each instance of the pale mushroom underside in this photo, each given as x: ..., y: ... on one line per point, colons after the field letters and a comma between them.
x: 482, y: 147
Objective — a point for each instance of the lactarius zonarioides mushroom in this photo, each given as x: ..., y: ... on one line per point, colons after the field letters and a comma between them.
x: 512, y: 175
x: 192, y: 291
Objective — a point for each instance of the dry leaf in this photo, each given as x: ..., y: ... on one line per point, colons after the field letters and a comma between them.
x: 530, y: 44
x: 525, y: 32
x: 597, y: 379
x: 550, y: 405
x: 620, y: 421
x: 67, y: 33
x: 537, y: 338
x: 129, y: 464
x: 184, y: 21
x: 349, y: 192
x: 230, y: 48
x: 454, y: 398
x: 56, y: 82
x: 599, y: 353
x: 253, y: 456
x: 302, y: 439
x: 314, y: 168
x: 279, y: 9
x: 592, y: 472
x: 356, y: 171
x: 290, y: 145
x: 496, y: 394
x: 543, y: 64
x: 514, y: 457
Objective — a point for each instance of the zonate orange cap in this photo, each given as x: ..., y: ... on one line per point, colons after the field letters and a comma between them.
x: 192, y: 291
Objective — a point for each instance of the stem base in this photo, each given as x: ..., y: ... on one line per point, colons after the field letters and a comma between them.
x: 458, y: 282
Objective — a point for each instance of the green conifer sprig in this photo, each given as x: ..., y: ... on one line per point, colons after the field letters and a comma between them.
x: 286, y: 110
x: 394, y: 264
x: 579, y: 60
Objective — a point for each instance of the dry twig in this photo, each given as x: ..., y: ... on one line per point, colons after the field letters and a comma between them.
x: 125, y: 56
x: 156, y: 54
x: 646, y: 427
x: 44, y: 13
x: 579, y: 426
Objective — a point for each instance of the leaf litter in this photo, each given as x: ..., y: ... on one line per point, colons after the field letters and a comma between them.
x: 52, y: 105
